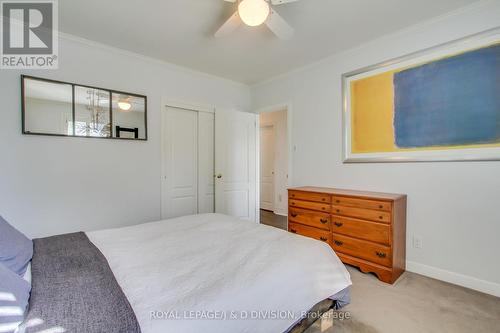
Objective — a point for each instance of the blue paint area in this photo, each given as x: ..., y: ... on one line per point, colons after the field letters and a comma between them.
x: 449, y: 102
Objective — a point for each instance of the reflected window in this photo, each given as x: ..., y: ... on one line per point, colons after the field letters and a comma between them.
x: 92, y: 114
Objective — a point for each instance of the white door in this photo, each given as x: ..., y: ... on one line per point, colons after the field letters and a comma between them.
x: 267, y: 164
x: 181, y: 157
x: 206, y: 183
x: 188, y: 159
x: 236, y: 164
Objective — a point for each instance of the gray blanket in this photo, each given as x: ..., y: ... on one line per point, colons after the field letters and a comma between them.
x: 74, y: 289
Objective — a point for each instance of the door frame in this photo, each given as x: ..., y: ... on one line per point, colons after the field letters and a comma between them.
x: 271, y: 124
x: 170, y: 103
x: 287, y: 106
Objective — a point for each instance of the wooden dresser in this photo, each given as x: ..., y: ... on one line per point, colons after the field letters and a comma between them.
x: 366, y: 229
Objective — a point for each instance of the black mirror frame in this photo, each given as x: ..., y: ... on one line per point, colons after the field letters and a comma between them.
x: 73, y: 85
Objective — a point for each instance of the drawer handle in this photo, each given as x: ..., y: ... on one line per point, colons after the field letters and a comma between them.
x: 323, y: 208
x: 294, y: 215
x: 293, y: 231
x: 380, y: 206
x: 339, y: 243
x: 337, y: 201
x: 380, y: 254
x: 293, y: 195
x: 381, y: 217
x: 339, y: 224
x: 323, y: 221
x: 324, y: 239
x: 323, y: 199
x: 338, y: 210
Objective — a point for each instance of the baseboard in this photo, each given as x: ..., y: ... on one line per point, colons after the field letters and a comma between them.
x: 466, y: 281
x: 280, y: 212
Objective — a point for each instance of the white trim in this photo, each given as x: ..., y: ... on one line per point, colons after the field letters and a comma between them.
x: 466, y: 281
x: 260, y: 125
x: 287, y: 106
x: 281, y: 213
x: 172, y: 66
x: 257, y: 169
x: 187, y: 105
x: 289, y: 116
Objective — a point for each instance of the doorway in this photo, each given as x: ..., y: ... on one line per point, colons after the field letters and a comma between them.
x: 274, y: 160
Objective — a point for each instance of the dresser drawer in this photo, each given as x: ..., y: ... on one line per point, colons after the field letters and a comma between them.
x: 367, y: 214
x: 309, y: 196
x: 315, y: 233
x: 309, y: 205
x: 362, y: 203
x: 362, y: 249
x: 371, y: 231
x: 308, y: 217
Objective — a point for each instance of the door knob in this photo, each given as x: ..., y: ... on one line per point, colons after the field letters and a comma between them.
x: 219, y: 176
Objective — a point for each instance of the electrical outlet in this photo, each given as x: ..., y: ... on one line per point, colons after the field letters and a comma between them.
x: 417, y: 242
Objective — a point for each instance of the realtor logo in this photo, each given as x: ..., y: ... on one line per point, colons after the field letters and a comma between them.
x: 29, y: 34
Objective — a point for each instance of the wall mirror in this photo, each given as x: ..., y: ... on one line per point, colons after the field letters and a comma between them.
x: 67, y: 109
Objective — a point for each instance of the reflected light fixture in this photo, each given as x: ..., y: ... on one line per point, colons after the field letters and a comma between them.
x: 124, y: 105
x: 253, y: 12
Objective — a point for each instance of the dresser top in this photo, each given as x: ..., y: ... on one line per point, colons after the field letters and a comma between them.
x: 337, y: 191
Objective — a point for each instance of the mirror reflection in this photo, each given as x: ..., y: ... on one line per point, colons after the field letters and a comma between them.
x: 128, y: 116
x: 67, y: 109
x: 48, y: 108
x: 92, y: 116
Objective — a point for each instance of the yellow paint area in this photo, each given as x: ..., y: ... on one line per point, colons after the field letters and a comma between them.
x: 372, y: 112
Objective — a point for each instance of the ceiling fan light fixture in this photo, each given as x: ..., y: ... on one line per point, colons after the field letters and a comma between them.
x: 124, y: 105
x: 253, y: 12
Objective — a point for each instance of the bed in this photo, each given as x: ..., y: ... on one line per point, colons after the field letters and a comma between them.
x: 201, y: 273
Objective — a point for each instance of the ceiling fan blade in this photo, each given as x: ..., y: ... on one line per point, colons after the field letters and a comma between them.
x: 279, y: 2
x: 279, y: 26
x: 229, y: 26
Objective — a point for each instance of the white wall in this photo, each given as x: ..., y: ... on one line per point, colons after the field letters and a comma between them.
x: 279, y: 120
x: 50, y: 116
x: 453, y: 207
x: 51, y: 185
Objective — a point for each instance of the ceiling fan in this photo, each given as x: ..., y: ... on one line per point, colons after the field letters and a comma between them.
x: 254, y: 13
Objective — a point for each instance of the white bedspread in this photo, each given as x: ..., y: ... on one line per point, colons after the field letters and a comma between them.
x: 221, y: 267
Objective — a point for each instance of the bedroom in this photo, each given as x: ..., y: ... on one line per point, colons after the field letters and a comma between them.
x: 167, y: 52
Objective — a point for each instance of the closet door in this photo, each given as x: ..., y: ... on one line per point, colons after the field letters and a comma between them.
x: 206, y: 183
x: 181, y: 162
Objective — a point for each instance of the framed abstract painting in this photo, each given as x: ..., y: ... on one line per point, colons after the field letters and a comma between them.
x: 440, y: 104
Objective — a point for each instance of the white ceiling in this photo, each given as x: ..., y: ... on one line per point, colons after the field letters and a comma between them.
x: 181, y: 31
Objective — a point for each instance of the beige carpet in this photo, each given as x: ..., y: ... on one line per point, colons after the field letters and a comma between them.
x: 413, y: 304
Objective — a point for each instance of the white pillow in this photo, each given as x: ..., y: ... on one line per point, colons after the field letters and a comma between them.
x: 27, y: 274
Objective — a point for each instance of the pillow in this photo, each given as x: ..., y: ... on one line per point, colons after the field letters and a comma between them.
x: 27, y: 275
x: 16, y: 249
x: 14, y: 298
